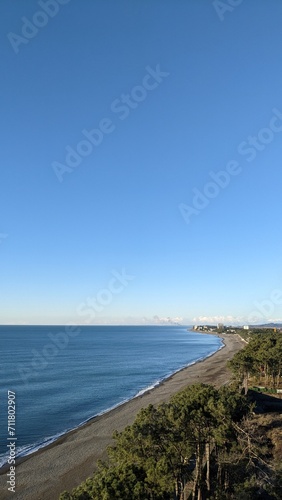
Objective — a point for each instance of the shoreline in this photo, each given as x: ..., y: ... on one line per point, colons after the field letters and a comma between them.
x: 53, y: 440
x: 70, y: 459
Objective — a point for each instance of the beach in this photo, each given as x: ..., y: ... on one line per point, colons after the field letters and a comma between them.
x: 71, y: 459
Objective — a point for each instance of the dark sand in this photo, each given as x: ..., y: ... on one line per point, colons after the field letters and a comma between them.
x: 72, y: 458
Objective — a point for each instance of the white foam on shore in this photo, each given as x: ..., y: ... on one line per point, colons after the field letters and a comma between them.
x: 28, y: 449
x: 46, y: 441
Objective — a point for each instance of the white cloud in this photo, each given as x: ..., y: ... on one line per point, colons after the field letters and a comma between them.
x: 234, y: 320
x: 227, y: 320
x: 167, y: 320
x: 132, y: 320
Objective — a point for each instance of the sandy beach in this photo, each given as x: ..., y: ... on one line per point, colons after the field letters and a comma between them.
x: 72, y: 458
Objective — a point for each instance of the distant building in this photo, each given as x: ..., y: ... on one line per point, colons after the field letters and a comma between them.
x: 246, y: 327
x: 220, y: 326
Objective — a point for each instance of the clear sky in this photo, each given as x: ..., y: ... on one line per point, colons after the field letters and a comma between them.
x: 113, y: 116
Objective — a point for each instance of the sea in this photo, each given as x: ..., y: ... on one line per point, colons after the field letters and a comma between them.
x: 55, y: 378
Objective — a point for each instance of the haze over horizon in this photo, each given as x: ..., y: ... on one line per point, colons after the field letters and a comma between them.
x: 141, y: 162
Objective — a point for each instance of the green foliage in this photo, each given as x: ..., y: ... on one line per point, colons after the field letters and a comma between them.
x: 203, y: 442
x: 261, y: 358
x: 163, y: 453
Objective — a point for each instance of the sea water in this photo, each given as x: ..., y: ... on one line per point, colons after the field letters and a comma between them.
x: 64, y: 376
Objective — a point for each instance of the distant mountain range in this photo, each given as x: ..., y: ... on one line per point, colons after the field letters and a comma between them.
x: 269, y: 325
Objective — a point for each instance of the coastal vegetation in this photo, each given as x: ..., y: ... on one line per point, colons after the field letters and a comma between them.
x: 244, y: 332
x: 260, y: 362
x: 205, y: 443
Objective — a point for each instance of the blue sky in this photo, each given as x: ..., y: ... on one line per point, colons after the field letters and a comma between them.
x: 139, y: 231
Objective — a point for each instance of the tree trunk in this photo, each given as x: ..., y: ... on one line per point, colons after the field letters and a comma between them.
x: 197, y: 470
x: 208, y: 454
x: 245, y: 383
x: 277, y: 377
x: 176, y: 489
x: 186, y: 491
x: 219, y: 475
x: 226, y: 481
x: 195, y: 483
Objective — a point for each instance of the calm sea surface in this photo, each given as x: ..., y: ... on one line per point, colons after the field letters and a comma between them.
x: 62, y: 378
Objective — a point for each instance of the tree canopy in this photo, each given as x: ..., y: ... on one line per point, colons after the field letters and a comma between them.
x: 261, y: 359
x: 203, y: 444
x: 185, y: 448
